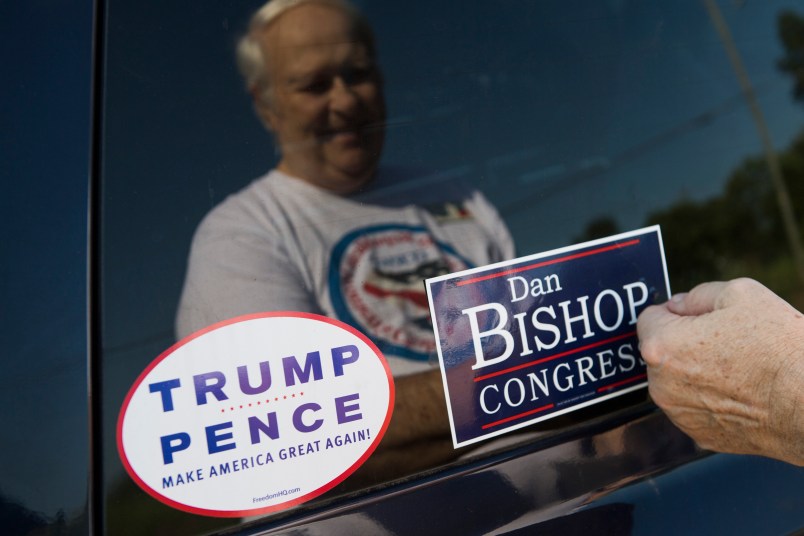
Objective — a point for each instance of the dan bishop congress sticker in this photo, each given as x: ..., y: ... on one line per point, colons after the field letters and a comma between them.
x: 540, y: 336
x: 255, y: 414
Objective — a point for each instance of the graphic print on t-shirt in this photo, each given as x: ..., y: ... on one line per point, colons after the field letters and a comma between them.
x: 376, y: 279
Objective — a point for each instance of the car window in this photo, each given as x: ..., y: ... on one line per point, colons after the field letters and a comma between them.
x: 573, y: 120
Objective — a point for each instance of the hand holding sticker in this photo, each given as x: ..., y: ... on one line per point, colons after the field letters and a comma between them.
x: 726, y: 363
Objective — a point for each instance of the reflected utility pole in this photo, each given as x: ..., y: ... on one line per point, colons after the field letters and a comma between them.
x: 782, y: 195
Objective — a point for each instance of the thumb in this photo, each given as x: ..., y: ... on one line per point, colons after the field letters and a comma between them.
x: 700, y: 300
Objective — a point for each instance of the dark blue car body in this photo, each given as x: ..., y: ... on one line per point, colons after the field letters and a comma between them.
x: 618, y: 468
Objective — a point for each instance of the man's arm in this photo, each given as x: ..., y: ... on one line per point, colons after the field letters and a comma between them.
x: 726, y: 363
x: 420, y: 410
x: 418, y: 436
x: 236, y: 267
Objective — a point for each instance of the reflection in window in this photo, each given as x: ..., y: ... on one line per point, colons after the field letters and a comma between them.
x: 574, y: 120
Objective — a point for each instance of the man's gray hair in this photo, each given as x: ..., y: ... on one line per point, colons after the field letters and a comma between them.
x: 250, y: 55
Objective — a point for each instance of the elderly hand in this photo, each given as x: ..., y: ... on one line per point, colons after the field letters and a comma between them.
x: 726, y: 363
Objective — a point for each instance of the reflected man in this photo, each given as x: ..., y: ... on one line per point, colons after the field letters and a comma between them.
x: 331, y: 231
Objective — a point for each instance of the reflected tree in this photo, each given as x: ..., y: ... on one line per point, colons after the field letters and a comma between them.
x: 741, y: 232
x: 791, y: 33
x: 738, y: 233
x: 598, y: 228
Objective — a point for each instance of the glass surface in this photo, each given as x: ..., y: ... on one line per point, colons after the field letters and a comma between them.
x: 576, y: 120
x: 46, y: 51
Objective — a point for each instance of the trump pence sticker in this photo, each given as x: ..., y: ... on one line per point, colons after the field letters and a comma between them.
x: 255, y: 414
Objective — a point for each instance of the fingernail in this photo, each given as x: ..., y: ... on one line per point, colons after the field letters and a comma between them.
x: 678, y: 298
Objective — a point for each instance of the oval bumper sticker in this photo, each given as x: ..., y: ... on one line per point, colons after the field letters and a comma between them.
x: 255, y: 414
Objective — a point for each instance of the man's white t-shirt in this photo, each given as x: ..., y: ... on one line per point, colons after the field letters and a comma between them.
x: 282, y: 244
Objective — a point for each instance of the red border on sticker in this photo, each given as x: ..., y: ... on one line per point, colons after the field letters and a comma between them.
x: 276, y: 507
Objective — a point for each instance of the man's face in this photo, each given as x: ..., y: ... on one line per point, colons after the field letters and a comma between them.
x: 326, y: 106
